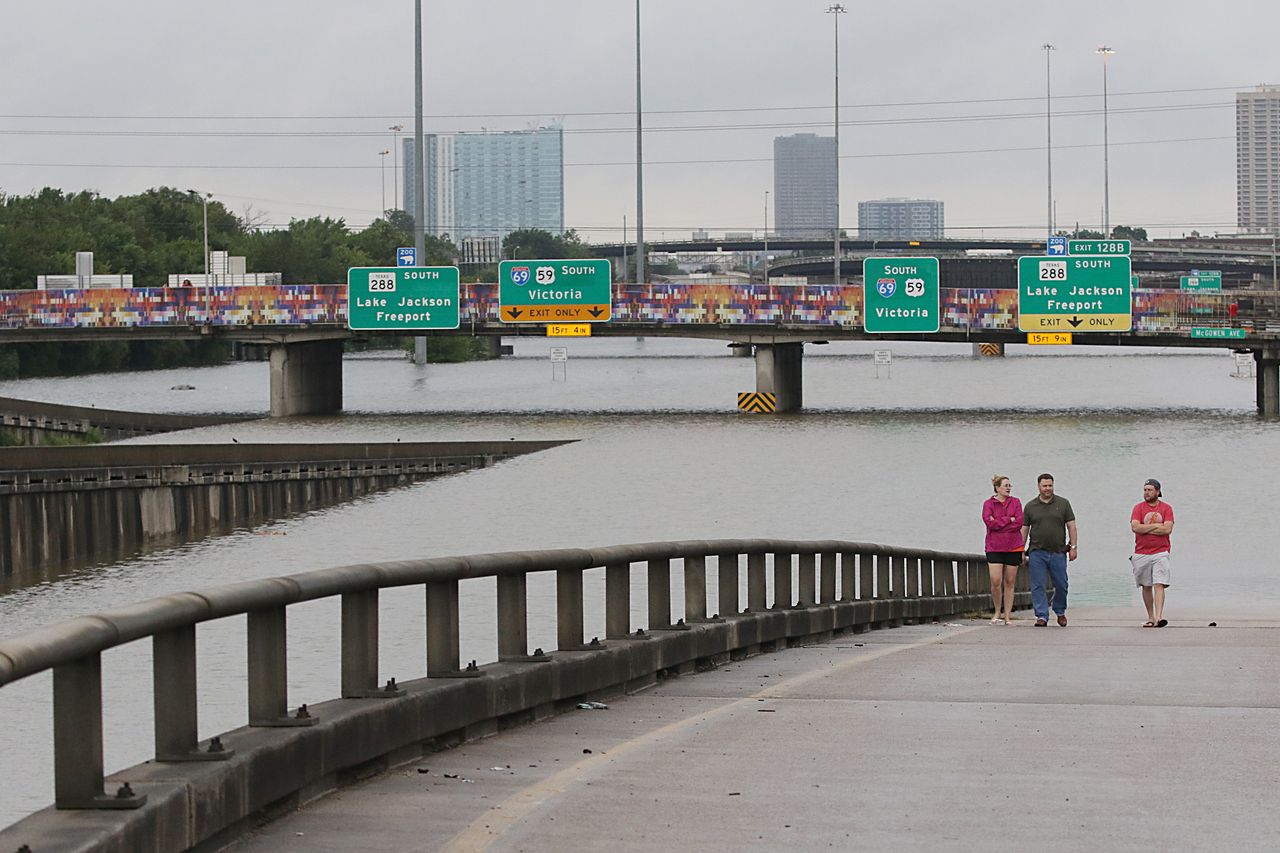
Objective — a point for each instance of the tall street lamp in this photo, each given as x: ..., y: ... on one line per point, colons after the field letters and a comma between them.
x: 766, y: 236
x: 204, y: 199
x: 836, y: 10
x: 1105, y: 52
x: 395, y: 168
x: 383, y: 155
x: 1048, y: 129
x: 639, y: 163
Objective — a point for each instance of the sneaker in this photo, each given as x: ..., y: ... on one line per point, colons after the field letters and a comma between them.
x: 1062, y: 620
x: 1040, y: 623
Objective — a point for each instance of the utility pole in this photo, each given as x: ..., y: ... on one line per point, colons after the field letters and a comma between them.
x: 382, y: 155
x: 639, y: 163
x: 766, y: 237
x: 419, y: 188
x: 395, y: 159
x: 1105, y: 52
x: 837, y: 10
x: 1048, y: 119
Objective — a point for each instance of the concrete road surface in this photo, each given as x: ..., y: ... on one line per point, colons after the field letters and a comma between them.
x: 958, y: 736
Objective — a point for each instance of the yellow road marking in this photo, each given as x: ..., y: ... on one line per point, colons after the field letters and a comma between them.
x: 490, y: 826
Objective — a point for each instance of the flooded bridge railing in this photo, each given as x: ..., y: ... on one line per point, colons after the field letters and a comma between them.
x: 740, y: 597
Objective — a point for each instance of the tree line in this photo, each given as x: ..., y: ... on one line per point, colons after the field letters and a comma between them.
x: 159, y: 232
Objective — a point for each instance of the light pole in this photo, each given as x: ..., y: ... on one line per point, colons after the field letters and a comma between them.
x: 419, y: 188
x: 1048, y: 129
x: 1105, y: 52
x: 395, y: 168
x: 836, y: 10
x: 639, y: 163
x: 204, y: 200
x: 383, y: 155
x: 766, y: 236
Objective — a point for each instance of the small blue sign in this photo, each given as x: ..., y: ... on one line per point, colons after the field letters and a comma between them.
x: 406, y: 256
x: 1057, y: 246
x: 886, y: 286
x: 519, y: 275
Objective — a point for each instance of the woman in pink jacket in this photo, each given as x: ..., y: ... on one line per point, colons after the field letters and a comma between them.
x: 1002, y: 513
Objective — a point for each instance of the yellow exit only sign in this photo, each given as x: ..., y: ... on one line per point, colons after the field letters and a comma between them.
x: 573, y: 330
x: 1051, y: 338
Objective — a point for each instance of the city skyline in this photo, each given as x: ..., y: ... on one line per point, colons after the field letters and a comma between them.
x: 939, y: 103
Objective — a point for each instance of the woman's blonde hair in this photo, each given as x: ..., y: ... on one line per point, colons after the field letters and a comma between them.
x: 996, y: 480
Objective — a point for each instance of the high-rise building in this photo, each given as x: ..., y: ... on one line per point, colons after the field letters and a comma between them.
x: 489, y: 184
x: 900, y: 219
x: 804, y: 185
x: 1258, y: 159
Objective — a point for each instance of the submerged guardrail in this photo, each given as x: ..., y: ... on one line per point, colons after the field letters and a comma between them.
x: 195, y: 792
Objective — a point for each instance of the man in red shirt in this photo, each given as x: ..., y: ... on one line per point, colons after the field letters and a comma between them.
x: 1152, y: 522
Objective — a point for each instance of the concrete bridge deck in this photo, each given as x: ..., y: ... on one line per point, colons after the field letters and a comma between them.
x: 952, y: 736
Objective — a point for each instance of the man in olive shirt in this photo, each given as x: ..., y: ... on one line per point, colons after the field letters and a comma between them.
x: 1052, y: 525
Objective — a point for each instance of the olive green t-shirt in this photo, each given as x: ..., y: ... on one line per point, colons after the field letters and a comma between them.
x: 1048, y: 523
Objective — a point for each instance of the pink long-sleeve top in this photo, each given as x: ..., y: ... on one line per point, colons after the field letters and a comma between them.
x: 1004, y: 523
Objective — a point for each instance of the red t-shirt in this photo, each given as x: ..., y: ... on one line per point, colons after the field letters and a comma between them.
x: 1145, y: 513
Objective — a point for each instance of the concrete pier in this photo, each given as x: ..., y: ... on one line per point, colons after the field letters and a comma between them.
x: 306, y: 378
x: 1267, y: 362
x: 780, y: 369
x: 951, y: 736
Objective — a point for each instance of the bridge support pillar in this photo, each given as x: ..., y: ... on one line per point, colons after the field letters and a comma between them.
x: 741, y: 350
x: 306, y: 378
x: 1268, y: 373
x: 988, y: 350
x: 492, y: 346
x: 779, y: 370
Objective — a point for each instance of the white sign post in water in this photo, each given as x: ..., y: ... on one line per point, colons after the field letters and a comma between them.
x: 883, y: 357
x: 560, y: 355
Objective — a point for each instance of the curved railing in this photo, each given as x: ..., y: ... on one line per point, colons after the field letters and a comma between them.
x: 818, y: 588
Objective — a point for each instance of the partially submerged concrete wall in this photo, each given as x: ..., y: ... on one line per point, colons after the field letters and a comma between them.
x: 62, y: 506
x: 34, y: 421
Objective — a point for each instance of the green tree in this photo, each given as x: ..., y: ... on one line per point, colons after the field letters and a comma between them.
x: 1125, y: 232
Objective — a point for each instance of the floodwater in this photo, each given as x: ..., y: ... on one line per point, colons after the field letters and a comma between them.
x: 902, y: 458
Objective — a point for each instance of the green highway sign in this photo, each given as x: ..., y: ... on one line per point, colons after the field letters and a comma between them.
x: 564, y: 291
x: 1098, y: 247
x: 406, y: 298
x: 1133, y: 281
x: 900, y: 295
x: 1216, y: 332
x: 1080, y: 294
x: 1203, y: 280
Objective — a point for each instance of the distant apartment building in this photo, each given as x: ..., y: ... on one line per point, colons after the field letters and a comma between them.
x: 489, y: 184
x: 1258, y: 160
x: 804, y: 185
x: 900, y: 219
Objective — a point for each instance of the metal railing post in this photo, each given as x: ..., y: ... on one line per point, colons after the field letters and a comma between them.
x: 849, y: 568
x: 269, y: 671
x: 695, y: 589
x: 77, y: 739
x: 444, y: 654
x: 173, y: 672
x: 897, y: 576
x: 513, y: 617
x: 617, y: 600
x: 808, y: 578
x: 756, y: 600
x: 569, y: 609
x: 659, y: 594
x: 827, y: 586
x: 782, y: 598
x: 360, y: 647
x: 727, y: 579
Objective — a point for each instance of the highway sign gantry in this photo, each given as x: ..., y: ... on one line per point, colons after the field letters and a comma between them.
x: 900, y: 295
x: 555, y: 291
x: 1075, y: 294
x: 402, y: 298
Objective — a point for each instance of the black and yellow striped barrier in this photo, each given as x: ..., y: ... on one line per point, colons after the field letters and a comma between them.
x: 762, y: 402
x: 991, y: 350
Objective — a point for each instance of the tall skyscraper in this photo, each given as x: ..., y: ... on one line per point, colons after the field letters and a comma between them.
x: 489, y: 184
x: 804, y: 185
x: 1258, y: 159
x: 900, y: 219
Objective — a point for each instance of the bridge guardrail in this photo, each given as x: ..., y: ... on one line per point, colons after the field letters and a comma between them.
x: 839, y: 585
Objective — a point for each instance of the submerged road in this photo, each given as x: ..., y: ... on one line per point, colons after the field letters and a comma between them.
x: 939, y: 736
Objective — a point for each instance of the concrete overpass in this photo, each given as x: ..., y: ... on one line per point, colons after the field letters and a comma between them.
x: 305, y: 325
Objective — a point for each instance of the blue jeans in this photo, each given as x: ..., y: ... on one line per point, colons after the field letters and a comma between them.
x: 1043, y: 565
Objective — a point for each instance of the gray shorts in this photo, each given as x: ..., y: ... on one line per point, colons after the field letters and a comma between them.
x: 1150, y: 569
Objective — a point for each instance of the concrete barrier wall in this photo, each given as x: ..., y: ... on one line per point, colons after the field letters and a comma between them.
x: 35, y: 421
x: 270, y: 769
x: 63, y: 506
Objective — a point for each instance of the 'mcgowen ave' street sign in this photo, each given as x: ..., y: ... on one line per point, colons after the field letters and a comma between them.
x: 1075, y: 294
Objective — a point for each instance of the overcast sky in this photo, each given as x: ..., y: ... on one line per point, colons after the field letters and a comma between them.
x: 339, y: 73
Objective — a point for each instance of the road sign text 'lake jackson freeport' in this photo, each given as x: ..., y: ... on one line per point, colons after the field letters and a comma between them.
x: 403, y: 298
x: 1075, y: 294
